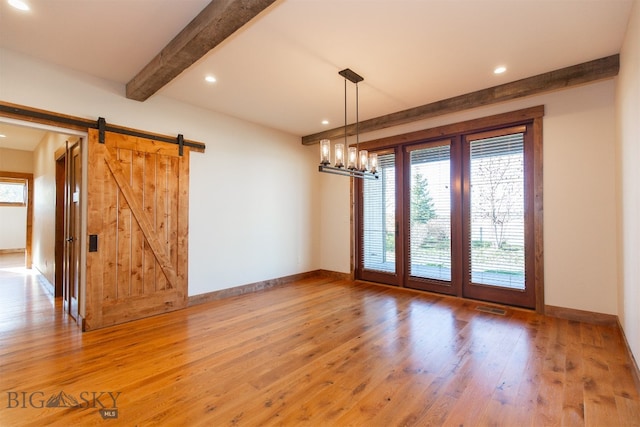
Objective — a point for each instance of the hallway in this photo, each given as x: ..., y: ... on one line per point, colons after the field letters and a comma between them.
x: 26, y: 303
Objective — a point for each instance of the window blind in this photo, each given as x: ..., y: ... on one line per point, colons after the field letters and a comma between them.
x: 378, y: 218
x: 496, y: 180
x: 430, y: 213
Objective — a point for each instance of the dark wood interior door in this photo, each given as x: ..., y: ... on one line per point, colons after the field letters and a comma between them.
x: 138, y: 203
x: 73, y: 216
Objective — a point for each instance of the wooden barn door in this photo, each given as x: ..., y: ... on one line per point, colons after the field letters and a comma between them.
x: 137, y: 224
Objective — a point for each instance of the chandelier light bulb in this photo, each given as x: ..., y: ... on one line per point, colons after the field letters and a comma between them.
x: 364, y: 160
x: 325, y: 152
x: 352, y: 158
x: 373, y: 162
x: 339, y: 156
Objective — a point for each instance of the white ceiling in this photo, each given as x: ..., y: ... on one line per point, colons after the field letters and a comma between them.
x: 20, y: 137
x: 280, y: 70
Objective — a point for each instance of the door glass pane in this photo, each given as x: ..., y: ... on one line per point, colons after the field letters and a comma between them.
x: 497, y: 211
x: 430, y: 213
x: 379, y: 220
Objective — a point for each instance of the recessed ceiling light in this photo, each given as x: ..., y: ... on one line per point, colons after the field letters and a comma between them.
x: 19, y: 4
x: 500, y: 70
x: 325, y: 122
x: 210, y: 79
x: 3, y: 135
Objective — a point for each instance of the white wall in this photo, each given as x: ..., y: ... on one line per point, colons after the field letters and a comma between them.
x: 252, y: 194
x: 13, y: 227
x: 335, y: 221
x: 16, y: 160
x: 44, y: 204
x: 579, y: 195
x: 252, y: 208
x: 628, y: 125
x: 13, y: 219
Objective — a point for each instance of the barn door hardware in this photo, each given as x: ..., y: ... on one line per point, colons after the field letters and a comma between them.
x: 103, y: 127
x: 180, y: 144
x: 102, y: 124
x: 50, y: 118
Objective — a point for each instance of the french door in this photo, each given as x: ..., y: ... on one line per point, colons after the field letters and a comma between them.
x: 451, y: 216
x: 379, y: 227
x: 497, y: 216
x: 431, y: 216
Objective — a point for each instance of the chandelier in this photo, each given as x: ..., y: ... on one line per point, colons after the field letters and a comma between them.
x: 359, y: 163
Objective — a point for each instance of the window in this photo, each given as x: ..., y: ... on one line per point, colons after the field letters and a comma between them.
x: 460, y: 215
x: 13, y: 192
x: 430, y: 212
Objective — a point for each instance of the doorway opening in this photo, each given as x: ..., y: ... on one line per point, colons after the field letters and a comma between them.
x: 16, y: 208
x: 46, y: 233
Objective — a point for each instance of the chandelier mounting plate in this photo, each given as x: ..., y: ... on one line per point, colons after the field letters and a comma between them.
x: 351, y: 75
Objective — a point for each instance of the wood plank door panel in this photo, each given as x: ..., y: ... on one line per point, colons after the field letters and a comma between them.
x: 138, y: 209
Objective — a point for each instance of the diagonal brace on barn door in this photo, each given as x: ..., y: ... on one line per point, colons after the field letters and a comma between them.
x: 138, y: 213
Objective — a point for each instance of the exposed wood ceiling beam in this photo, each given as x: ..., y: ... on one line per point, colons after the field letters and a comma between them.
x: 212, y: 26
x: 586, y: 72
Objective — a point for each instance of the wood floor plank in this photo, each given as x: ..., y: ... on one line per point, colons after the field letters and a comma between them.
x: 317, y: 352
x: 551, y: 387
x: 573, y: 403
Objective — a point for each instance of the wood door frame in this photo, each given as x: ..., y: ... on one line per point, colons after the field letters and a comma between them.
x: 28, y: 177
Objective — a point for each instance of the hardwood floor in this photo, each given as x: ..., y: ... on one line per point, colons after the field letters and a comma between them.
x: 317, y: 352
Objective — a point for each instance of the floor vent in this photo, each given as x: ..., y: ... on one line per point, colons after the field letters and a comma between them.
x: 492, y: 310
